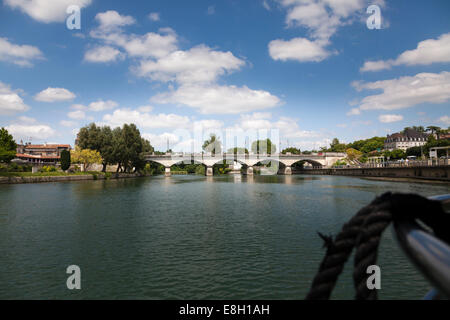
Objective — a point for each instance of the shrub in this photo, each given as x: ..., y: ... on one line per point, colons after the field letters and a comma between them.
x: 65, y: 160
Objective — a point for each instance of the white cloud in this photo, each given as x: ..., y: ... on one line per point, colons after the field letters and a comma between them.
x: 145, y: 109
x: 101, y: 105
x: 77, y: 115
x: 10, y: 101
x: 150, y: 45
x: 145, y: 120
x: 354, y: 112
x: 103, y: 54
x: 208, y: 124
x: 154, y: 16
x: 445, y: 120
x: 159, y: 141
x: 22, y: 55
x: 219, y: 99
x: 427, y: 52
x: 389, y: 118
x: 266, y: 5
x: 406, y: 92
x: 111, y: 20
x: 194, y: 71
x: 66, y: 123
x: 34, y: 131
x: 26, y: 120
x: 300, y: 49
x: 46, y: 10
x: 376, y: 65
x: 314, y: 16
x: 54, y: 95
x: 322, y: 19
x: 199, y: 64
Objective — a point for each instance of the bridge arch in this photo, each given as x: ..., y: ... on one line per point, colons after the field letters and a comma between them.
x: 314, y: 163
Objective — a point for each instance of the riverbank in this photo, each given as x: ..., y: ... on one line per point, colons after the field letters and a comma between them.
x: 20, y: 178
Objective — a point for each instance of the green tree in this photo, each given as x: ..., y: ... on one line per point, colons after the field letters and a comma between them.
x: 336, y: 146
x: 395, y: 154
x: 353, y: 154
x: 434, y: 131
x: 263, y: 147
x: 128, y: 147
x: 65, y: 160
x: 238, y: 151
x: 99, y: 139
x: 368, y: 145
x: 122, y: 146
x: 7, y: 146
x: 86, y: 157
x: 212, y: 145
x: 414, y: 151
x: 291, y: 151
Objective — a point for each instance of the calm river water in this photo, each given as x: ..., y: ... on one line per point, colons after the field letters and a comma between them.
x: 188, y: 237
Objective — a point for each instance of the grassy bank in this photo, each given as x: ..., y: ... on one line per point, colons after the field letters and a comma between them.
x: 47, y: 174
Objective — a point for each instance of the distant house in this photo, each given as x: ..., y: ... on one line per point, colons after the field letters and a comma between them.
x: 444, y: 136
x: 405, y: 140
x: 41, y: 153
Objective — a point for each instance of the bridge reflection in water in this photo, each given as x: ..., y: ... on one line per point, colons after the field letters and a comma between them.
x: 248, y: 161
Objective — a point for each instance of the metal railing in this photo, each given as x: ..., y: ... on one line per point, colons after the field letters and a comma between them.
x: 430, y: 254
x: 398, y: 164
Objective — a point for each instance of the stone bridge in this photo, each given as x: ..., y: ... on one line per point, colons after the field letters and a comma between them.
x: 285, y: 162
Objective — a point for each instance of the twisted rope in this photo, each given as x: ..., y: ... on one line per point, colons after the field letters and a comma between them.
x: 364, y: 232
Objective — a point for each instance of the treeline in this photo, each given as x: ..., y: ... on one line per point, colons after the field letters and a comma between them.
x: 122, y: 146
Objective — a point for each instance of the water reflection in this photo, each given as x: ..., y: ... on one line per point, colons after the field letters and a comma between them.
x: 188, y: 237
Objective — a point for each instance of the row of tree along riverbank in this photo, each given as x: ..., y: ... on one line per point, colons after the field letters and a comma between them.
x: 439, y: 173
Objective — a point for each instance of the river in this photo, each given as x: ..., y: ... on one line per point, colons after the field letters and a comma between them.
x: 189, y: 237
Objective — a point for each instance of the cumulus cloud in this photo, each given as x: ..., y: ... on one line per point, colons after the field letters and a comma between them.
x: 10, y: 101
x: 389, y: 118
x: 54, y: 95
x: 101, y: 105
x: 354, y: 112
x: 288, y: 127
x: 159, y: 141
x: 112, y: 20
x: 150, y: 45
x: 216, y: 99
x: 102, y: 54
x: 46, y: 10
x: 21, y: 55
x: 145, y: 120
x: 77, y: 115
x: 322, y: 19
x: 33, y: 131
x: 405, y: 92
x: 427, y: 52
x: 300, y: 49
x: 67, y: 123
x: 154, y: 16
x: 194, y: 72
x: 199, y: 64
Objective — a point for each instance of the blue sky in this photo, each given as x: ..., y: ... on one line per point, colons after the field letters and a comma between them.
x: 310, y: 69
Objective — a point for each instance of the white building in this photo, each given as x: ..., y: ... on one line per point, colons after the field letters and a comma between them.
x: 405, y: 140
